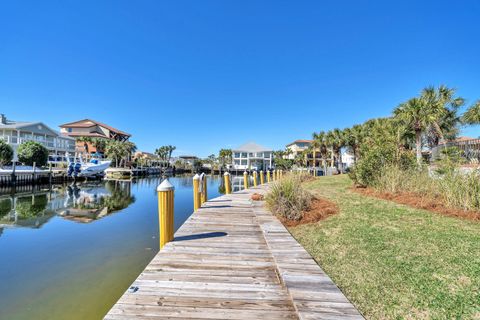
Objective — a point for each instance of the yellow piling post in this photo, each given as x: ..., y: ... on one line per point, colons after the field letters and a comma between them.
x: 196, y: 193
x: 254, y: 178
x: 228, y: 188
x: 165, y: 211
x: 262, y: 178
x: 204, y: 196
x: 245, y: 179
x: 268, y: 176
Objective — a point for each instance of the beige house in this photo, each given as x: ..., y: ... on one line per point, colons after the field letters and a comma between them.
x: 298, y: 146
x: 91, y: 129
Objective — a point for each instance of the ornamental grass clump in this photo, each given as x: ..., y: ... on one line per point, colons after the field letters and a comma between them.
x: 288, y: 199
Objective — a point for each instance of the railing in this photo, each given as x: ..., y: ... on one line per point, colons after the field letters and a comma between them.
x: 48, y: 144
x: 470, y: 149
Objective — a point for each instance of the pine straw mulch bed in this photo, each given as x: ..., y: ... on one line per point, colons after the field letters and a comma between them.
x: 319, y: 210
x: 419, y: 202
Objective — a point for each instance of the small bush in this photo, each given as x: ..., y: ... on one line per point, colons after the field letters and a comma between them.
x: 288, y: 199
x: 6, y: 153
x: 30, y: 152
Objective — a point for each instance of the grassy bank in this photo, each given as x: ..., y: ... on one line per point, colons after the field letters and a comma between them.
x: 393, y: 261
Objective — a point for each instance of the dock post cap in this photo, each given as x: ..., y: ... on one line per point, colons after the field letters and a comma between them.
x: 196, y: 177
x: 245, y: 172
x: 226, y: 174
x: 165, y: 186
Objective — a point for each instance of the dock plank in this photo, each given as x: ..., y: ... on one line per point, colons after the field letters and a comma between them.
x: 232, y: 259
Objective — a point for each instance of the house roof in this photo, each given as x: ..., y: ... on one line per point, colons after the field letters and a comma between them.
x: 88, y: 123
x: 299, y: 141
x: 251, y: 147
x: 86, y: 134
x: 459, y: 139
x: 17, y: 125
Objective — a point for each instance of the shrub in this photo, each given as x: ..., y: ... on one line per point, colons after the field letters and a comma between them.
x: 288, y: 199
x: 378, y: 160
x: 459, y: 189
x: 6, y: 153
x: 31, y: 151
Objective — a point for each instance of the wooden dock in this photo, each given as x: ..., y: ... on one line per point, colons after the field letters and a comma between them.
x: 233, y: 260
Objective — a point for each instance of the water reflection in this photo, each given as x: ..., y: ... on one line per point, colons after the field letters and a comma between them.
x: 71, y: 268
x: 76, y: 202
x: 88, y: 203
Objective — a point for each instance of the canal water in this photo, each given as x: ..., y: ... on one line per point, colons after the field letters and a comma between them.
x: 70, y: 252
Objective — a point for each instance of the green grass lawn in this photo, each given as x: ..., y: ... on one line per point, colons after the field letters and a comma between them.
x: 393, y: 261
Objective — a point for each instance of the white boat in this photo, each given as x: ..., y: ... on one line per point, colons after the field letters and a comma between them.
x: 94, y: 167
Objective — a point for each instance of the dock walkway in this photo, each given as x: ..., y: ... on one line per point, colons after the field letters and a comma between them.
x: 232, y: 259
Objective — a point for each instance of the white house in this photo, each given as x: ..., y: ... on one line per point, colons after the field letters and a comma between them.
x: 16, y: 132
x: 252, y: 156
x: 347, y: 159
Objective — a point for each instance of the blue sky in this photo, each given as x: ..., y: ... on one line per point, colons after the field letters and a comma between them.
x: 203, y: 75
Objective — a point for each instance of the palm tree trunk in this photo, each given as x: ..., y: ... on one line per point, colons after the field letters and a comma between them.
x: 418, y: 142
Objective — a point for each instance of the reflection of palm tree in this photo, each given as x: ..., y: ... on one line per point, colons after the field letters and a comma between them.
x: 30, y: 207
x: 120, y: 196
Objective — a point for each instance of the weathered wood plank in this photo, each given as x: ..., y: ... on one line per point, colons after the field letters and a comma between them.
x: 233, y: 260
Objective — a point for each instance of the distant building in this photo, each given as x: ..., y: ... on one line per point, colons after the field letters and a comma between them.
x: 252, y: 156
x: 16, y: 132
x: 188, y: 160
x: 298, y: 146
x: 92, y: 129
x: 347, y: 159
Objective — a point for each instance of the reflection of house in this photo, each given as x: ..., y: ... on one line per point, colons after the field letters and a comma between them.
x: 299, y: 146
x: 252, y: 156
x: 16, y: 132
x: 92, y: 129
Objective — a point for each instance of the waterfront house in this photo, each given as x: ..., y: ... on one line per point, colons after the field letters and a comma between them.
x: 16, y: 132
x: 252, y: 156
x: 91, y: 129
x: 188, y: 160
x: 298, y: 146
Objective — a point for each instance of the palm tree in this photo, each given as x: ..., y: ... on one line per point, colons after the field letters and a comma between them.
x: 315, y: 145
x: 443, y: 104
x: 99, y: 144
x: 322, y: 146
x: 418, y: 117
x: 353, y: 138
x: 170, y: 150
x: 85, y: 141
x: 330, y: 143
x: 472, y: 115
x: 225, y: 156
x: 162, y: 153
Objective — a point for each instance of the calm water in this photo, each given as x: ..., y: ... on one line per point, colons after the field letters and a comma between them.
x: 70, y: 252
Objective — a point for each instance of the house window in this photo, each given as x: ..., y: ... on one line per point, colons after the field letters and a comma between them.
x: 244, y: 154
x: 236, y: 155
x: 237, y: 162
x: 69, y: 129
x: 244, y: 162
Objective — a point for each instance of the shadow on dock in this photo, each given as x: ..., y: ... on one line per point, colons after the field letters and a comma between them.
x: 201, y: 236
